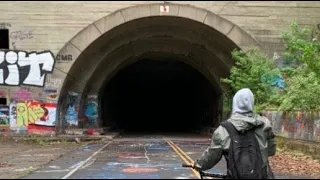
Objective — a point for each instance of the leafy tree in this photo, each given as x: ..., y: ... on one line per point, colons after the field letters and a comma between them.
x: 302, y: 70
x: 252, y: 70
x: 301, y: 49
x: 302, y: 92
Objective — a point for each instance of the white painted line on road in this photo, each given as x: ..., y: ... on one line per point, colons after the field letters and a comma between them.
x: 50, y: 171
x: 84, y: 162
x: 89, y: 163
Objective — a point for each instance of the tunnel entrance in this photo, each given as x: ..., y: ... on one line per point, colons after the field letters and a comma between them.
x: 158, y: 95
x: 142, y: 70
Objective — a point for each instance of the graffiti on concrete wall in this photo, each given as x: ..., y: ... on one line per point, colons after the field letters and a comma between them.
x: 3, y: 93
x: 22, y: 68
x: 316, y: 132
x: 5, y: 25
x: 52, y: 83
x: 295, y: 124
x: 13, y: 113
x: 91, y: 109
x: 4, y: 115
x: 71, y: 116
x: 22, y: 94
x: 21, y: 35
x: 64, y: 58
x: 24, y: 113
x: 51, y: 94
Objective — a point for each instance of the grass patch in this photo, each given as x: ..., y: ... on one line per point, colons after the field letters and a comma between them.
x: 25, y: 173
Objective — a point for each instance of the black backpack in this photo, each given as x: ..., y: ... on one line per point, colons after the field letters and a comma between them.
x: 243, y: 158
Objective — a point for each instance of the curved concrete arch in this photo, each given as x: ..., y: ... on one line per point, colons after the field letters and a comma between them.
x: 93, y: 31
x: 210, y: 69
x: 115, y: 59
x: 86, y: 37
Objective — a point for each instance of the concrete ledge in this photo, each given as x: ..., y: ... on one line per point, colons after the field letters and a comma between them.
x: 68, y: 138
x: 306, y: 147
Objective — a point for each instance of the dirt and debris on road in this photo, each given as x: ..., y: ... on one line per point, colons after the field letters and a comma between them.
x: 295, y: 164
x: 20, y: 157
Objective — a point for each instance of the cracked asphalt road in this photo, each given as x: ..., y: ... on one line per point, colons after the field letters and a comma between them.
x: 133, y: 156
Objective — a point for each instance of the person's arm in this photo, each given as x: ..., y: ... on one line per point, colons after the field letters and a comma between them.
x: 272, y: 147
x: 212, y: 155
x: 270, y: 138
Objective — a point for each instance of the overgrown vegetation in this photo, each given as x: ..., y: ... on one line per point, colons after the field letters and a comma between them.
x: 299, y: 70
x: 253, y: 70
x: 302, y: 71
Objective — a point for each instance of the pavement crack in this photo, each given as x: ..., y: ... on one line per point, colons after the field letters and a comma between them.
x: 146, y: 154
x: 89, y: 163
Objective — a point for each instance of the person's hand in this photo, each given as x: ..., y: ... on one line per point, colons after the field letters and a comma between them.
x: 194, y: 163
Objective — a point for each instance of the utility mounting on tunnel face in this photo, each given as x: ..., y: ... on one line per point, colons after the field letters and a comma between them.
x: 197, y: 53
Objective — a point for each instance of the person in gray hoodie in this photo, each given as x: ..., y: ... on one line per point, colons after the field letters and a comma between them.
x: 242, y: 118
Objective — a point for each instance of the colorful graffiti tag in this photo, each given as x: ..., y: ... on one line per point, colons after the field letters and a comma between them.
x: 26, y: 113
x: 91, y: 109
x: 4, y: 115
x: 22, y: 94
x: 295, y: 124
x: 51, y: 94
x: 71, y: 116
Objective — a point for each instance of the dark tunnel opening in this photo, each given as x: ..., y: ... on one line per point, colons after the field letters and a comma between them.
x: 158, y: 96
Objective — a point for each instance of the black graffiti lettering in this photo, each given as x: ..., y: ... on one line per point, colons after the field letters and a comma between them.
x: 5, y: 25
x: 21, y: 35
x: 66, y: 57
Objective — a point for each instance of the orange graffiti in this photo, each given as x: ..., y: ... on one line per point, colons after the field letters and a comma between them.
x: 140, y: 170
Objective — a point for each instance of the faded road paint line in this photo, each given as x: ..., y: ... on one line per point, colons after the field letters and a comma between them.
x: 50, y: 171
x: 182, y: 152
x: 182, y: 157
x: 188, y: 157
x: 185, y: 155
x: 84, y: 162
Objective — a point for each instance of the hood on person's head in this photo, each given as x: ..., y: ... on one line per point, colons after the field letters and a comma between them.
x: 243, y: 101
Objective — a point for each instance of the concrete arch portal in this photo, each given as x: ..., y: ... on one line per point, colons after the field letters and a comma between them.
x: 142, y: 67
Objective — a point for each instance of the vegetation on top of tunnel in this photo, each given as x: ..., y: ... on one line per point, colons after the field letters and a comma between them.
x: 253, y: 70
x: 302, y: 71
x: 298, y: 68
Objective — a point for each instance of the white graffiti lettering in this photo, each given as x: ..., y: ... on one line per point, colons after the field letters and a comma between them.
x: 52, y: 83
x: 13, y: 65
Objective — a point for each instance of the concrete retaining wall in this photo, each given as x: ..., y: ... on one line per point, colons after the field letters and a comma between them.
x: 296, y: 125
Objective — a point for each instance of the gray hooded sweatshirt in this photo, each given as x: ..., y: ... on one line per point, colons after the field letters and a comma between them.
x: 243, y: 119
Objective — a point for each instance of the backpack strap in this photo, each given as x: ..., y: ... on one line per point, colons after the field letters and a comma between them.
x: 232, y: 131
x: 228, y: 154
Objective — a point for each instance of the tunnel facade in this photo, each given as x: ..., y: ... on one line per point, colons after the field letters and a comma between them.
x: 61, y: 64
x: 154, y: 65
x: 145, y: 67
